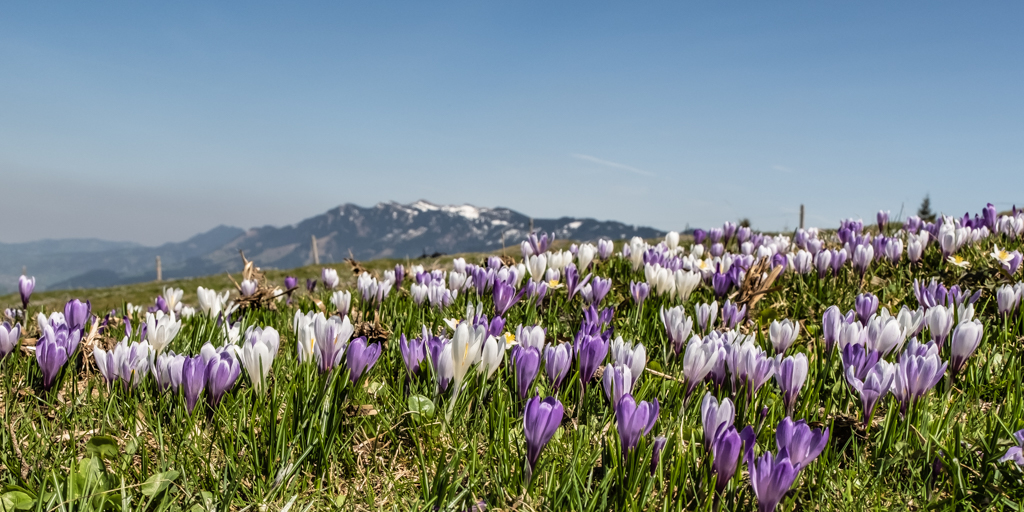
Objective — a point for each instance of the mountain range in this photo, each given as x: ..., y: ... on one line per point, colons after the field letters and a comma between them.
x: 386, y: 230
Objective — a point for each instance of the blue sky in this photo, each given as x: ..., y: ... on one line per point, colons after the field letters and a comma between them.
x: 145, y: 122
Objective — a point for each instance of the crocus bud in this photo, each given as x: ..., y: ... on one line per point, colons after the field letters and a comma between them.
x: 725, y: 452
x: 866, y: 305
x: 791, y: 375
x: 883, y: 220
x: 76, y: 313
x: 965, y: 340
x: 617, y: 380
x: 634, y: 421
x: 8, y: 338
x: 540, y: 422
x: 557, y: 360
x: 247, y: 288
x: 832, y: 323
x: 783, y: 334
x: 25, y: 287
x: 659, y: 445
x: 329, y: 276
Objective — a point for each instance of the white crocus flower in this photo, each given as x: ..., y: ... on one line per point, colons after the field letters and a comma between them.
x: 672, y: 240
x: 493, y: 354
x: 585, y: 255
x: 305, y: 334
x: 637, y: 247
x: 161, y: 329
x: 342, y: 301
x: 258, y: 353
x: 211, y: 302
x: 686, y: 282
x: 466, y: 350
x: 536, y: 266
x: 783, y: 334
x: 173, y: 296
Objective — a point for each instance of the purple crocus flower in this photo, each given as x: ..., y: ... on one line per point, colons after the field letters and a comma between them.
x: 76, y: 313
x: 918, y: 371
x: 527, y: 365
x: 659, y: 445
x: 866, y: 305
x: 634, y: 421
x: 725, y: 451
x: 803, y: 443
x: 883, y: 220
x: 872, y: 388
x: 988, y: 213
x: 728, y: 230
x: 52, y: 353
x: 310, y: 285
x: 222, y: 372
x: 715, y: 235
x: 1015, y: 453
x: 591, y: 352
x: 965, y: 340
x: 540, y: 422
x: 715, y: 417
x: 600, y: 288
x: 8, y: 338
x: 536, y: 290
x: 771, y: 477
x: 706, y: 315
x: 831, y: 325
x: 557, y: 360
x: 25, y: 287
x: 698, y: 236
x: 505, y: 296
x: 605, y: 248
x: 721, y: 283
x: 859, y: 359
x: 750, y: 367
x: 435, y: 345
x: 823, y: 262
x: 863, y: 254
x: 413, y: 353
x: 639, y: 291
x: 496, y: 326
x: 618, y: 380
x: 290, y: 282
x: 791, y: 375
x: 161, y: 302
x: 195, y: 373
x: 399, y: 275
x: 779, y: 260
x: 732, y: 315
x: 361, y: 357
x: 838, y: 260
x: 166, y: 369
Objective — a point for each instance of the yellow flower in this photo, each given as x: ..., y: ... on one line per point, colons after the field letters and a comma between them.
x: 554, y: 284
x: 510, y: 340
x: 1001, y: 255
x: 959, y: 261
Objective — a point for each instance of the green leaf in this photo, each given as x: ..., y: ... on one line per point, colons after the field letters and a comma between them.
x: 102, y: 446
x: 421, y: 407
x: 15, y: 500
x: 158, y: 483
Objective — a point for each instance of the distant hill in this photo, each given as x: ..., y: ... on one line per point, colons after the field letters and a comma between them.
x: 386, y: 230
